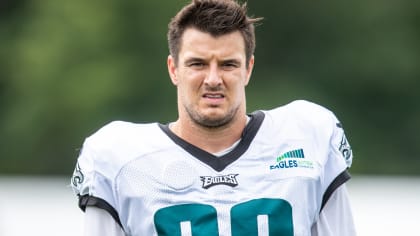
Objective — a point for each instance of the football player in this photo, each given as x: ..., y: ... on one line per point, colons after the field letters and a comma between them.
x: 217, y: 170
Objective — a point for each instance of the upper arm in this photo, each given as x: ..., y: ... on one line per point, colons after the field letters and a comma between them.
x: 99, y: 222
x: 93, y: 179
x: 336, y: 217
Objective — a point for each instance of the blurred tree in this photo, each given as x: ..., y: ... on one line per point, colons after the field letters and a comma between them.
x: 360, y: 59
x: 67, y: 68
x: 72, y: 69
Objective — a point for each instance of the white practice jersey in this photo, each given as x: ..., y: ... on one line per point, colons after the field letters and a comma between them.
x: 274, y: 182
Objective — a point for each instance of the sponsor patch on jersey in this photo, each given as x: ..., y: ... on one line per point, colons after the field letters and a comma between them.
x: 292, y: 159
x: 210, y: 181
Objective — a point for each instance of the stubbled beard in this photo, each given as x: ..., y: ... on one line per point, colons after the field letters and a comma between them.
x: 211, y: 122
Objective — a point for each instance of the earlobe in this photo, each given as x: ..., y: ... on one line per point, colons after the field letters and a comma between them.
x: 172, y: 70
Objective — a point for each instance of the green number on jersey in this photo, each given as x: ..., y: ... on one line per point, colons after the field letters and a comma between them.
x: 203, y: 218
x: 279, y: 212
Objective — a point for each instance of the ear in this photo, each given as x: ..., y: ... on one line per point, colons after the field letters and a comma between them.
x: 249, y: 69
x: 172, y: 69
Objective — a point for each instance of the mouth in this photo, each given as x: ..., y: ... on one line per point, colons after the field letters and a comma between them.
x: 213, y: 96
x: 214, y: 99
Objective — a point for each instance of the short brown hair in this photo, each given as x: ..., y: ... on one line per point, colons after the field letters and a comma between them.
x: 216, y: 17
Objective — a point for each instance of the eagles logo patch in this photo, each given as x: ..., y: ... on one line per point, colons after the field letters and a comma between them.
x: 345, y: 148
x: 78, y: 176
x: 210, y: 181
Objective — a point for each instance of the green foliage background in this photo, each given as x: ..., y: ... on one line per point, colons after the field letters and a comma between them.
x: 69, y: 67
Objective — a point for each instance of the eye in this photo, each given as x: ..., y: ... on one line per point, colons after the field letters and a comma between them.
x: 197, y: 65
x: 230, y: 65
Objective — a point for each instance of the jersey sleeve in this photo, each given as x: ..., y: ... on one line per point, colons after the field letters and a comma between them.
x: 338, y: 161
x: 325, y: 131
x: 99, y: 223
x: 93, y: 179
x: 336, y: 222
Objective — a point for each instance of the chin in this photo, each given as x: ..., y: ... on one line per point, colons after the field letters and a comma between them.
x: 215, y: 119
x: 212, y: 117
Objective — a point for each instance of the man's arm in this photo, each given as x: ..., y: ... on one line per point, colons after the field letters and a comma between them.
x: 99, y: 222
x: 336, y: 217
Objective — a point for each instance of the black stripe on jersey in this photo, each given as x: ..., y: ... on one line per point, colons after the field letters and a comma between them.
x: 337, y: 182
x: 87, y: 200
x: 220, y: 163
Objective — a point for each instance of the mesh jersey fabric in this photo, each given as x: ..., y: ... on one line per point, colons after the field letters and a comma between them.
x: 288, y: 162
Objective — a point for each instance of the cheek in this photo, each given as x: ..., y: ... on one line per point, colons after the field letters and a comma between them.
x: 189, y: 85
x: 193, y: 82
x: 238, y: 82
x: 240, y: 89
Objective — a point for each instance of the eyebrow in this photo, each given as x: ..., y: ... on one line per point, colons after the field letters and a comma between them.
x: 197, y: 59
x: 193, y: 59
x: 234, y: 61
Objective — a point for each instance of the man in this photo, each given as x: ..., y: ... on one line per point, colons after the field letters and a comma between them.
x: 216, y: 170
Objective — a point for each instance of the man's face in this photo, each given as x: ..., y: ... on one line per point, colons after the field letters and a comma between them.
x: 211, y: 75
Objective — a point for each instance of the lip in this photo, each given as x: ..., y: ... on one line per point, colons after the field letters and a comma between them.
x: 213, y: 95
x: 214, y: 98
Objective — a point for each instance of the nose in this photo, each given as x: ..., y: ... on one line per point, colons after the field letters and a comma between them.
x: 214, y: 76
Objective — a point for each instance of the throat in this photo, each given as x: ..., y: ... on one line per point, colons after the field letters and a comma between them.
x: 227, y: 150
x: 215, y: 141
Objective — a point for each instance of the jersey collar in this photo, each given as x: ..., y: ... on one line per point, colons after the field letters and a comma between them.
x: 220, y: 163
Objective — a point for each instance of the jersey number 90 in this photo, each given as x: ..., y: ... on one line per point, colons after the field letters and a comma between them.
x: 203, y: 218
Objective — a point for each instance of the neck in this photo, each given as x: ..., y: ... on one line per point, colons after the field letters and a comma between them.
x: 211, y: 140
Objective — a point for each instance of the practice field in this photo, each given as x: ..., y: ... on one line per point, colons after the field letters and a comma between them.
x: 46, y: 206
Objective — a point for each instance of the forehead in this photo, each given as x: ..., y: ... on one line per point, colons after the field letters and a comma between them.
x: 196, y: 43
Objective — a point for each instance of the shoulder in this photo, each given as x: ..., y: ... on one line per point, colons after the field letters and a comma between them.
x: 310, y: 123
x: 121, y: 133
x: 119, y: 142
x: 117, y: 130
x: 109, y: 149
x: 304, y: 115
x: 302, y: 108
